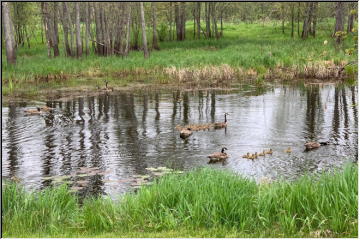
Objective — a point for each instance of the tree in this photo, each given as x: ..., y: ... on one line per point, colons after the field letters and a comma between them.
x: 339, y: 17
x: 143, y: 29
x: 308, y: 20
x: 78, y: 37
x: 155, y: 38
x: 9, y: 34
x: 351, y: 16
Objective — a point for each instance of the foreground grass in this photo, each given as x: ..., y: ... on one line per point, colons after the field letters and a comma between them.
x: 246, y: 46
x: 202, y: 203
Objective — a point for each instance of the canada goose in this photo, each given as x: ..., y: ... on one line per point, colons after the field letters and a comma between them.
x: 219, y: 125
x: 262, y: 154
x: 314, y: 145
x: 288, y: 150
x: 246, y: 155
x: 218, y: 156
x: 252, y: 156
x: 185, y: 133
x: 46, y: 109
x: 270, y: 151
x: 33, y: 111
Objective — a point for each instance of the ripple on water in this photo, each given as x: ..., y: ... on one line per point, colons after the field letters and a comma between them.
x: 123, y: 134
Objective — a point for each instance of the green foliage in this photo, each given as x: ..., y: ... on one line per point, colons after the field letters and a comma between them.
x: 203, y: 201
x: 162, y: 32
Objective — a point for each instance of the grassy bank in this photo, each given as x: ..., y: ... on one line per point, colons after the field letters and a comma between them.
x: 252, y: 51
x: 201, y: 203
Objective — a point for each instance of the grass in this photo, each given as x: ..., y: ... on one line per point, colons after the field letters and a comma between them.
x: 244, y: 46
x: 201, y: 203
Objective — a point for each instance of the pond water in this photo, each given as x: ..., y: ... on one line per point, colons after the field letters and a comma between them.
x: 119, y: 136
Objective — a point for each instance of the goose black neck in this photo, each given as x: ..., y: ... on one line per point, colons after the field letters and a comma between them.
x: 225, y: 117
x: 222, y: 150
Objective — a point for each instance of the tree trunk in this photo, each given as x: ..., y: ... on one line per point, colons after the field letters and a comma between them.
x: 78, y: 37
x: 339, y: 17
x: 307, y: 20
x: 298, y: 20
x: 9, y: 34
x: 215, y: 20
x: 55, y: 31
x: 183, y: 20
x: 207, y: 16
x: 292, y: 20
x: 351, y: 16
x: 314, y: 19
x: 198, y: 24
x: 143, y: 29
x: 126, y: 52
x: 177, y: 21
x: 87, y: 26
x: 47, y: 27
x: 155, y: 44
x: 70, y: 26
x: 98, y: 26
x: 170, y: 21
x: 65, y: 30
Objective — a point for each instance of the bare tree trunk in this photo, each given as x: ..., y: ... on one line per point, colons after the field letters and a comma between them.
x: 198, y: 12
x: 143, y: 29
x: 78, y: 37
x: 177, y: 21
x: 45, y: 16
x: 307, y: 20
x: 283, y: 17
x: 339, y: 17
x: 298, y: 20
x: 87, y: 26
x: 126, y: 52
x: 214, y: 20
x: 98, y: 26
x: 351, y: 16
x: 9, y: 34
x: 183, y: 20
x: 70, y: 26
x: 65, y: 30
x: 170, y: 21
x: 55, y: 32
x: 292, y: 20
x: 207, y: 19
x: 155, y: 38
x: 314, y: 19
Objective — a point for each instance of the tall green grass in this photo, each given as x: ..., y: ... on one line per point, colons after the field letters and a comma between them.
x: 198, y: 203
x: 243, y: 45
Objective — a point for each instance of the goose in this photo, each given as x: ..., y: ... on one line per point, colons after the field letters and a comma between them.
x: 185, y: 133
x: 288, y: 150
x: 46, y: 109
x: 270, y: 151
x: 219, y: 125
x: 246, y: 155
x: 33, y: 111
x: 262, y: 154
x: 218, y: 156
x: 314, y: 145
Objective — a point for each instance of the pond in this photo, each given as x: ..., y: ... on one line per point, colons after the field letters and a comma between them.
x: 115, y: 140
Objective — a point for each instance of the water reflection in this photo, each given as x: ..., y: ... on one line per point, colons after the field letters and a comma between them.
x: 125, y: 133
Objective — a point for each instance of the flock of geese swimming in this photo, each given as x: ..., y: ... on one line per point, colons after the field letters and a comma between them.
x: 216, y: 157
x: 188, y: 130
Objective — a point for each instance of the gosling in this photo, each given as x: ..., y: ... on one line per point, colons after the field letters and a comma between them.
x: 185, y: 133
